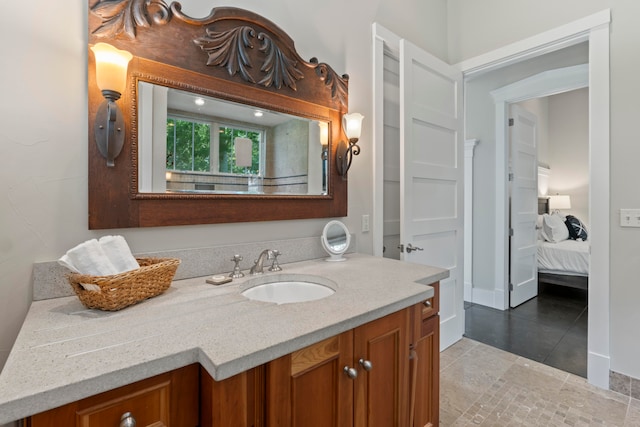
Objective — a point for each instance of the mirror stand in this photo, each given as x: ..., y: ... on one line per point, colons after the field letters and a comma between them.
x: 335, y: 240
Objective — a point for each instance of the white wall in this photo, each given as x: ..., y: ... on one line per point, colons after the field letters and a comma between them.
x: 569, y: 149
x: 43, y: 200
x: 476, y: 27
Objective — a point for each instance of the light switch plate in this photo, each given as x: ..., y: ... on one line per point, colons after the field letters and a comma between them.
x: 630, y: 217
x: 365, y: 223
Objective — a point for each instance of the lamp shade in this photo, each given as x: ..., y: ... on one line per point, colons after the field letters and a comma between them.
x: 352, y: 124
x: 559, y: 202
x: 324, y: 133
x: 111, y: 67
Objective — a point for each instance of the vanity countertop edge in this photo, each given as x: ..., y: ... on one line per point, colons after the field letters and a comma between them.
x: 65, y: 352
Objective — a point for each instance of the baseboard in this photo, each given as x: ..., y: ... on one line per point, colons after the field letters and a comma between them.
x: 489, y: 298
x: 449, y: 328
x: 598, y: 370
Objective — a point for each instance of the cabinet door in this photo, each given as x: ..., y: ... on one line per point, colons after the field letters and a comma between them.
x: 169, y: 399
x: 310, y: 388
x: 382, y: 387
x: 425, y: 372
x: 235, y: 402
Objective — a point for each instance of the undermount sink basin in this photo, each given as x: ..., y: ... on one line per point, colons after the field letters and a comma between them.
x: 288, y: 290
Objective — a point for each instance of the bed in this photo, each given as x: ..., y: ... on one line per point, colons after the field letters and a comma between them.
x: 564, y: 263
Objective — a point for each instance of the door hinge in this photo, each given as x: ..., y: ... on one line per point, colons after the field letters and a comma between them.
x: 511, y: 232
x: 510, y: 176
x: 510, y: 286
x: 510, y: 122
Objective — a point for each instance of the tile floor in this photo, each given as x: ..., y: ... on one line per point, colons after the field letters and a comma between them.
x: 551, y: 328
x: 483, y: 385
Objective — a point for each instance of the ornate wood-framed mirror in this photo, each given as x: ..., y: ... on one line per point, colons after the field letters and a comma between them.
x: 231, y: 169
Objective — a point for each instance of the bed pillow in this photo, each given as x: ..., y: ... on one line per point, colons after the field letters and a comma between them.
x: 577, y: 230
x: 554, y: 229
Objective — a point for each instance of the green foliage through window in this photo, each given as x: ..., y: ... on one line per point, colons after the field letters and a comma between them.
x: 188, y: 145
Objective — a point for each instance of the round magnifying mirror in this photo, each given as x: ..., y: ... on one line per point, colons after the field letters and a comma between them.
x: 335, y: 240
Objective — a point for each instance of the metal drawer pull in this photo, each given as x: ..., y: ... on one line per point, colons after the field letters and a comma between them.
x: 366, y: 364
x: 427, y: 304
x: 351, y: 373
x: 127, y: 420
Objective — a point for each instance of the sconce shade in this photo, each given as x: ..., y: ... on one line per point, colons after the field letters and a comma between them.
x: 352, y: 124
x: 559, y: 202
x: 111, y: 67
x: 324, y: 133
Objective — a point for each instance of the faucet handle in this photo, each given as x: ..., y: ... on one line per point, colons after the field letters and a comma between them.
x: 274, y: 265
x: 236, y: 273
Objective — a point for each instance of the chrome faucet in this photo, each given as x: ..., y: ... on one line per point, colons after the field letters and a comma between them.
x: 258, y: 266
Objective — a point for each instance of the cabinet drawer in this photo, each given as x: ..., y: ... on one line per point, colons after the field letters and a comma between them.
x: 169, y: 399
x: 432, y: 305
x: 149, y: 406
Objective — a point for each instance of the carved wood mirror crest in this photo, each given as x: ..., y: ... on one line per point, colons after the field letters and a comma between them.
x: 233, y: 55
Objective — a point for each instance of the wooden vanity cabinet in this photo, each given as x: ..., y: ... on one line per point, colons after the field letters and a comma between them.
x: 424, y: 391
x: 358, y: 378
x: 169, y: 399
x: 384, y: 373
x: 310, y: 388
x: 235, y: 402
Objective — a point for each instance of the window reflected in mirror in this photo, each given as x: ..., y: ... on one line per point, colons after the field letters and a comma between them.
x: 220, y: 147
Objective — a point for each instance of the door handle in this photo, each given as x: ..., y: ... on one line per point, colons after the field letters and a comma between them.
x: 411, y: 248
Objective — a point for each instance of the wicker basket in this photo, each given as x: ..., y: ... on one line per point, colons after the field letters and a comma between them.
x: 122, y: 290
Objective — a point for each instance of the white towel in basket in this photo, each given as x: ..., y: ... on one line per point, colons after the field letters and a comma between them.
x: 119, y: 254
x: 111, y: 255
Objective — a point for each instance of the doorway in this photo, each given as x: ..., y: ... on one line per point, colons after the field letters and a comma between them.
x: 595, y: 30
x: 550, y: 325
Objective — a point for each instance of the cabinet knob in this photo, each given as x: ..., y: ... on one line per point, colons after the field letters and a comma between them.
x: 427, y: 304
x: 127, y: 420
x: 366, y: 364
x: 351, y: 372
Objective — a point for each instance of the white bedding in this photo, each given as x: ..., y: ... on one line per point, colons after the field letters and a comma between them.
x: 565, y: 257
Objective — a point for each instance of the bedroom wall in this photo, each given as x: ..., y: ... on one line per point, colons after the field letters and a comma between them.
x: 480, y: 123
x: 43, y: 201
x: 569, y: 149
x: 477, y: 27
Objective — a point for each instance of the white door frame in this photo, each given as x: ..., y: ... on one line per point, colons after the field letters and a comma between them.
x: 383, y: 40
x: 543, y: 84
x: 595, y: 29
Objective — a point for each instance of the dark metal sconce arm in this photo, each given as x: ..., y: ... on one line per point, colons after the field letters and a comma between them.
x: 345, y: 155
x: 109, y: 127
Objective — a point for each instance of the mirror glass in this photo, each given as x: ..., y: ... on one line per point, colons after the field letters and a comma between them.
x: 336, y: 240
x: 189, y: 143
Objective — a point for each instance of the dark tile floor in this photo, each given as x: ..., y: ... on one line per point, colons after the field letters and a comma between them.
x: 550, y: 329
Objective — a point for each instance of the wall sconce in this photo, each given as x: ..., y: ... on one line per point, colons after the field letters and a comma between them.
x: 111, y: 77
x: 352, y: 125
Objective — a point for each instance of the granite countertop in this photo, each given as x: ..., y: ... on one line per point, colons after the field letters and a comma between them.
x: 65, y: 352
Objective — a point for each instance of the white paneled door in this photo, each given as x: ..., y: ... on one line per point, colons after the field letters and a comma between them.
x: 431, y: 178
x: 523, y: 263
